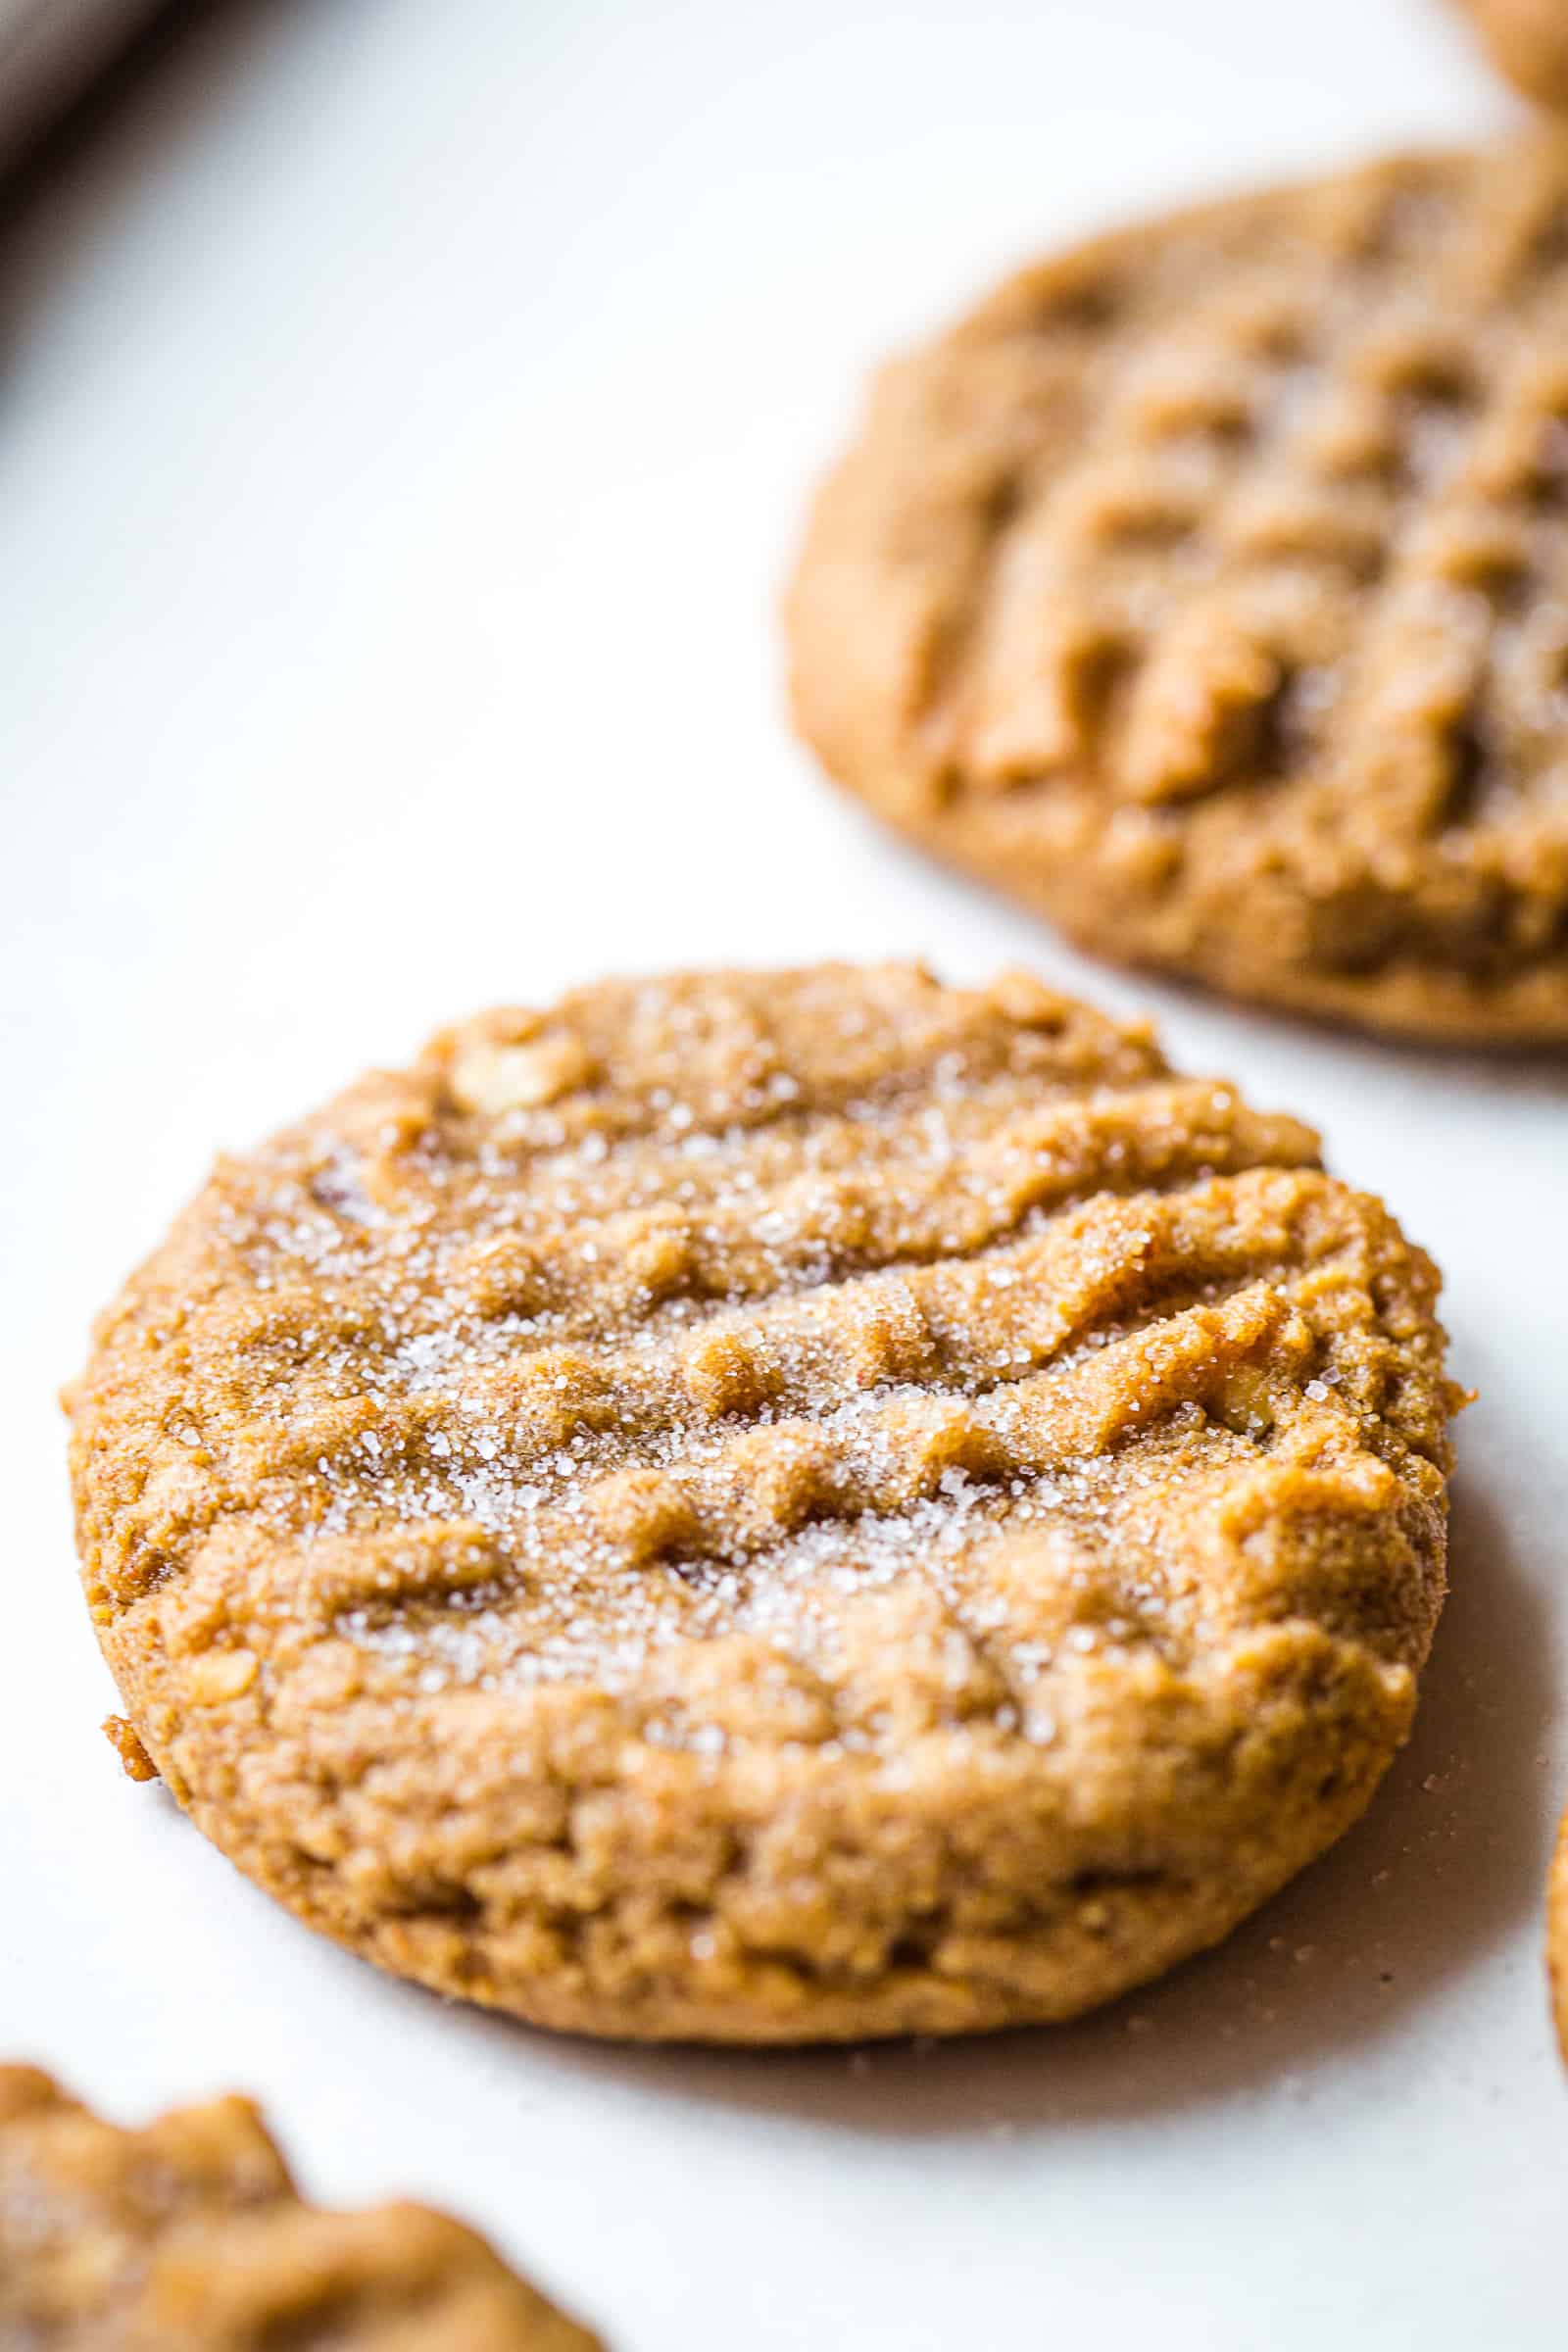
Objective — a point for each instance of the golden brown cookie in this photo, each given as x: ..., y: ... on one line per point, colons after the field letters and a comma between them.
x: 1207, y: 590
x: 1528, y: 41
x: 771, y: 1507
x: 189, y: 2235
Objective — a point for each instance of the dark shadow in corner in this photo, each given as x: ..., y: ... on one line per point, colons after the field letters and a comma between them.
x: 83, y: 165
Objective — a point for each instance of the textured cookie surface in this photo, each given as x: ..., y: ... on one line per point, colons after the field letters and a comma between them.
x: 773, y: 1506
x: 1207, y: 589
x: 188, y: 2235
x: 1529, y: 42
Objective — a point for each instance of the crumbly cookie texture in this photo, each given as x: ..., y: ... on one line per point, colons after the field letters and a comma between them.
x: 189, y: 2235
x: 1528, y: 41
x: 773, y: 1506
x: 1207, y: 590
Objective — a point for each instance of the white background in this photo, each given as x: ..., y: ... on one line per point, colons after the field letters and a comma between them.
x: 405, y: 415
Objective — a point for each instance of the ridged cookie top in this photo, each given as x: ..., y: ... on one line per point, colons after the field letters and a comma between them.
x: 816, y: 1357
x: 188, y: 2235
x: 1210, y: 585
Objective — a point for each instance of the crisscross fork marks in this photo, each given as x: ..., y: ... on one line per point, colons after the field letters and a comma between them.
x: 771, y: 1504
x: 1251, y: 655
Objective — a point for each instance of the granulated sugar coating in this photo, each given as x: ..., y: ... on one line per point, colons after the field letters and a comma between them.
x: 1207, y: 589
x: 189, y: 2235
x: 770, y: 1506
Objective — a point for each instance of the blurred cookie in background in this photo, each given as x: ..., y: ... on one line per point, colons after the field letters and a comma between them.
x: 1528, y: 41
x: 1206, y: 589
x: 1557, y: 1936
x: 189, y: 2235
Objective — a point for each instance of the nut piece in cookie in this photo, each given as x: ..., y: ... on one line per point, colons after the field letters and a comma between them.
x: 823, y: 1504
x: 189, y: 2235
x: 1206, y: 589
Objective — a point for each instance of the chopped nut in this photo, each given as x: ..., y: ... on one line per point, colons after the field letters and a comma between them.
x: 499, y: 1078
x: 222, y: 1675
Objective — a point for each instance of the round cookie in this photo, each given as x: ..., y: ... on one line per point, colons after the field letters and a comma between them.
x: 1206, y: 589
x: 1528, y: 41
x: 773, y: 1506
x: 189, y: 2235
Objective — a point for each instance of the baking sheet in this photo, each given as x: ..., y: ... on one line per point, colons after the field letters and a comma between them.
x: 395, y: 475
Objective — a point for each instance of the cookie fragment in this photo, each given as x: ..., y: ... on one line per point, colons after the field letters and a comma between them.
x: 1207, y: 589
x: 189, y: 2235
x: 872, y: 1507
x: 134, y: 1761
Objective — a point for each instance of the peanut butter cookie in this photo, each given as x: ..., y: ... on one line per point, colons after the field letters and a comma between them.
x: 1207, y: 590
x: 188, y: 2237
x: 1528, y: 40
x: 773, y: 1506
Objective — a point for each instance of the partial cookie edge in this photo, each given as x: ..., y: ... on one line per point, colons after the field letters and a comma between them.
x: 1526, y: 43
x: 176, y: 2267
x: 1557, y: 1936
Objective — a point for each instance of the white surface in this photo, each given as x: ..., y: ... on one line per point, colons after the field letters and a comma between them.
x: 408, y: 415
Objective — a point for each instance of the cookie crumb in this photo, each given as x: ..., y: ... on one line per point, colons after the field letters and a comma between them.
x: 134, y: 1761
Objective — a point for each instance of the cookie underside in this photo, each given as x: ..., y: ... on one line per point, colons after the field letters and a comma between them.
x: 773, y: 1507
